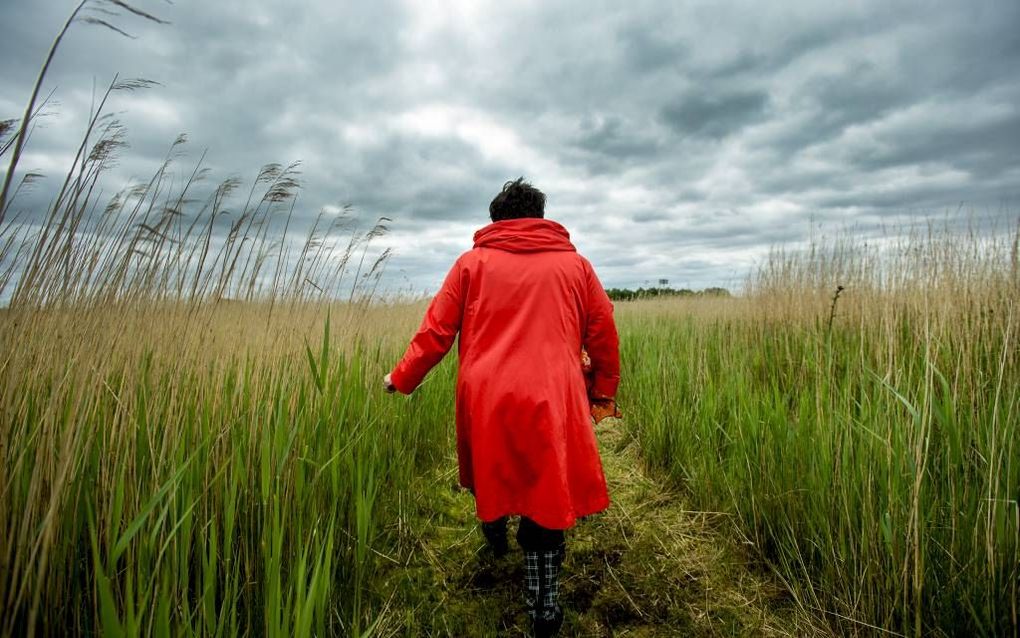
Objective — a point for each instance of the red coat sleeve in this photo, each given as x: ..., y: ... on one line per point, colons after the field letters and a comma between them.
x: 435, y: 336
x: 600, y: 338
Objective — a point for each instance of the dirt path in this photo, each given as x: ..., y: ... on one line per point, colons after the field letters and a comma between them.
x: 646, y: 567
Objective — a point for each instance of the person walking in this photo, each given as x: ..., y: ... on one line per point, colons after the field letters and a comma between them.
x: 528, y: 308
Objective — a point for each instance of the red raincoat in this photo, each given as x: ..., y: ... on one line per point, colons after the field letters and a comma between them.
x: 524, y: 302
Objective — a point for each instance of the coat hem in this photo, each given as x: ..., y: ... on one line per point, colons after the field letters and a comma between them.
x: 571, y: 520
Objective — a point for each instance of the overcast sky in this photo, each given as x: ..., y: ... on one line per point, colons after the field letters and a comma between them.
x: 675, y: 140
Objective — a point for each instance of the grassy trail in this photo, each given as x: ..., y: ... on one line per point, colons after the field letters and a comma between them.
x: 646, y: 567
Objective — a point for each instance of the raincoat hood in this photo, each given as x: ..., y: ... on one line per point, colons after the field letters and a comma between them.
x: 524, y: 235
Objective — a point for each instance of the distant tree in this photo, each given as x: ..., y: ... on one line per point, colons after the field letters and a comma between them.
x: 715, y: 292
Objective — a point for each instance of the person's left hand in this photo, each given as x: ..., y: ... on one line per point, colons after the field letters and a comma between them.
x: 602, y: 408
x: 388, y: 384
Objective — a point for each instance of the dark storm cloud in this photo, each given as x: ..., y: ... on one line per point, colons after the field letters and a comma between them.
x: 613, y: 137
x: 649, y: 216
x: 832, y: 102
x: 675, y: 140
x: 646, y: 50
x: 715, y: 116
x: 414, y: 178
x: 985, y: 144
x: 724, y: 229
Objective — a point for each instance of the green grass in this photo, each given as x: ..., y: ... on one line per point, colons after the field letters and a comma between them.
x: 193, y: 431
x: 874, y: 464
x: 168, y: 494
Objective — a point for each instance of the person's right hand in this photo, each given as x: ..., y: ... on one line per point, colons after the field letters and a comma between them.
x: 388, y: 384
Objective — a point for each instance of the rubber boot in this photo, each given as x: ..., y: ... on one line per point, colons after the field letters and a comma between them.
x: 542, y: 590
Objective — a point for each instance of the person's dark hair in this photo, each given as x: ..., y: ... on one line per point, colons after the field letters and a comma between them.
x: 517, y: 199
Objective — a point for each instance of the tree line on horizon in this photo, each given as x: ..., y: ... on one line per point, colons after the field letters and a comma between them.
x: 627, y: 294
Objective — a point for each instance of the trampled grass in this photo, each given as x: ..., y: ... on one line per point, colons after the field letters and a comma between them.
x: 649, y: 566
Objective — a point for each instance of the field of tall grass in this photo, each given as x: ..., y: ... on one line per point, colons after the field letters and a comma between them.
x: 857, y: 413
x: 191, y: 425
x: 172, y: 471
x: 193, y: 448
x: 196, y: 441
